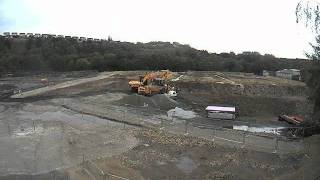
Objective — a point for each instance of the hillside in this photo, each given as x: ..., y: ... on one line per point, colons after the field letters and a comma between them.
x: 67, y: 54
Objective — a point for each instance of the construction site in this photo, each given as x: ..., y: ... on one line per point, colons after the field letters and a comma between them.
x: 155, y: 125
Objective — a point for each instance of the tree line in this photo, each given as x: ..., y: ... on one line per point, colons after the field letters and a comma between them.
x: 61, y: 54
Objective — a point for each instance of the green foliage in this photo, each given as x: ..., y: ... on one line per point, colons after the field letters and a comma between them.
x: 307, y: 12
x: 81, y: 64
x: 60, y: 54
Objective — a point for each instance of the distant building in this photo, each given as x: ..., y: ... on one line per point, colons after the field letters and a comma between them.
x: 265, y: 73
x: 292, y: 74
x: 75, y: 37
x: 7, y: 34
x: 14, y: 34
x: 60, y: 36
x: 90, y: 39
x: 82, y: 39
x: 67, y: 37
x: 22, y: 34
x: 45, y: 35
x: 96, y: 39
x: 29, y: 34
x: 37, y: 35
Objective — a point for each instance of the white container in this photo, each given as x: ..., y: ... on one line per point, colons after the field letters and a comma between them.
x: 220, y: 115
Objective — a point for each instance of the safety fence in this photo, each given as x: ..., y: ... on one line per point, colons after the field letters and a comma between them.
x: 289, y: 140
x: 264, y: 142
x: 96, y: 173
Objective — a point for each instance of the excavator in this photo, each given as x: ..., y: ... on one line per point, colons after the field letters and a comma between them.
x: 153, y: 83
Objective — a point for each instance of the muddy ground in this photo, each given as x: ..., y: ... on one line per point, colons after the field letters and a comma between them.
x: 50, y: 135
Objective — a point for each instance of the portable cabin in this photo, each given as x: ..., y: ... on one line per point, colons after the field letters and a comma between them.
x: 221, y: 112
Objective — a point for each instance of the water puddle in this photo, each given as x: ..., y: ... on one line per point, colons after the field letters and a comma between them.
x: 181, y: 113
x: 186, y: 165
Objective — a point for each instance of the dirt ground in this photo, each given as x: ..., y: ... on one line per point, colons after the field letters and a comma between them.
x: 55, y: 131
x: 163, y: 156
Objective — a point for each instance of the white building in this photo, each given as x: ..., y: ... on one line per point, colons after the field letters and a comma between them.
x: 221, y: 112
x: 82, y: 39
x: 7, y: 34
x: 265, y: 73
x: 22, y: 35
x: 292, y: 74
x: 45, y: 35
x: 29, y: 34
x: 14, y: 34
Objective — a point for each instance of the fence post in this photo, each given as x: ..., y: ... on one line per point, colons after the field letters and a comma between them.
x: 172, y: 116
x: 161, y: 123
x: 276, y: 146
x: 124, y: 119
x: 34, y: 127
x: 243, y: 139
x: 213, y: 134
x: 83, y: 166
x: 9, y: 130
x: 306, y: 143
x: 186, y: 128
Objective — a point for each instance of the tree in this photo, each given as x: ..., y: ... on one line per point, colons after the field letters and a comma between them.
x: 82, y: 64
x: 308, y: 12
x: 110, y: 38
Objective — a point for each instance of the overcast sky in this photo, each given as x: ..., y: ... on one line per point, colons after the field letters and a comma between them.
x: 266, y: 26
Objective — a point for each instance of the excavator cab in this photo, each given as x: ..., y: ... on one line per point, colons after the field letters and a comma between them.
x: 159, y: 82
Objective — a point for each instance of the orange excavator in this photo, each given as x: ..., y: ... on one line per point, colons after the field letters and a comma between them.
x: 152, y: 83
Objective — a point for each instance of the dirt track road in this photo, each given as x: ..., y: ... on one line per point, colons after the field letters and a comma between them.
x: 63, y: 85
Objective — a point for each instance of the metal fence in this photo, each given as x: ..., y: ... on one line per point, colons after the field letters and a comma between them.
x: 175, y: 125
x: 95, y: 172
x: 293, y: 142
x: 141, y: 116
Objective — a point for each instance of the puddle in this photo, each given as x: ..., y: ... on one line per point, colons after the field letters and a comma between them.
x: 181, y: 113
x: 161, y: 163
x: 186, y: 165
x: 268, y: 130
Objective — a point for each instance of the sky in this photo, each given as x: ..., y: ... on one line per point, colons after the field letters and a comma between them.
x: 265, y: 26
